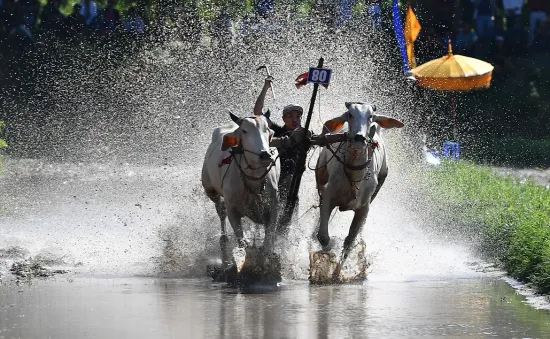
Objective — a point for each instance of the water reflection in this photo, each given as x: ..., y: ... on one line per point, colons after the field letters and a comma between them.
x: 340, y: 311
x: 150, y: 308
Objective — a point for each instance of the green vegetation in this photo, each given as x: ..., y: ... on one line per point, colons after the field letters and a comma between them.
x: 510, y: 151
x: 3, y: 143
x: 511, y: 220
x: 507, y: 124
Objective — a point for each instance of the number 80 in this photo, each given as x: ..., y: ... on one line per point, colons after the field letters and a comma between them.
x: 318, y: 75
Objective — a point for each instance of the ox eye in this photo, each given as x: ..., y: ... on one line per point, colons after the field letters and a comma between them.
x: 244, y: 131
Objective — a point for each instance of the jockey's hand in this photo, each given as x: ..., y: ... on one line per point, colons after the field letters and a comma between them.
x: 268, y: 81
x: 299, y: 134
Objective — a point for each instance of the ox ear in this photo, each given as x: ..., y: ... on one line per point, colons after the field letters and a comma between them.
x: 335, y: 124
x: 235, y: 118
x: 373, y: 107
x: 387, y: 122
x: 229, y: 140
x: 267, y: 114
x: 348, y: 104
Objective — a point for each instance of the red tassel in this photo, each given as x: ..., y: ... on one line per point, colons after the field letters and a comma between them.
x: 226, y: 161
x: 301, y: 80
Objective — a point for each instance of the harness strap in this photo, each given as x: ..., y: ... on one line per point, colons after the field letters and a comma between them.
x: 245, y: 176
x: 249, y: 177
x: 249, y: 190
x: 352, y: 167
x: 371, y: 145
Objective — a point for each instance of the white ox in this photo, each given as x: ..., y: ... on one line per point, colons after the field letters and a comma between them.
x: 350, y: 174
x: 243, y: 182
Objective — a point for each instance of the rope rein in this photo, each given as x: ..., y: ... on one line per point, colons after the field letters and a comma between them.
x: 244, y: 176
x: 348, y: 166
x: 250, y: 177
x: 355, y: 168
x: 326, y: 164
x: 240, y: 150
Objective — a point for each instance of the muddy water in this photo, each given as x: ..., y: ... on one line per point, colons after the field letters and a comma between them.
x: 185, y: 308
x: 123, y: 229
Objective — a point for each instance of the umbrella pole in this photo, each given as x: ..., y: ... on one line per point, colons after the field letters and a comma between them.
x: 453, y: 113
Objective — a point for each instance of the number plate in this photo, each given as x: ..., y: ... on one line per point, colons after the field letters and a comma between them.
x: 319, y: 75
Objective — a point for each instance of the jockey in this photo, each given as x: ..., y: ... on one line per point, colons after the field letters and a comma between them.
x: 291, y: 136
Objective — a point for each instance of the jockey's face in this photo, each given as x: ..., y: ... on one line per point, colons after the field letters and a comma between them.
x: 292, y: 120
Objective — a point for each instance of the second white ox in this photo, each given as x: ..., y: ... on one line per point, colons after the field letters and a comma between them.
x: 350, y: 174
x: 243, y: 182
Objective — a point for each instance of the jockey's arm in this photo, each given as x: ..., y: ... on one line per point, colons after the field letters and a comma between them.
x: 258, y: 107
x: 280, y: 142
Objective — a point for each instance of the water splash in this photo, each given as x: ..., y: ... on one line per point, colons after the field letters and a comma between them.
x: 110, y: 174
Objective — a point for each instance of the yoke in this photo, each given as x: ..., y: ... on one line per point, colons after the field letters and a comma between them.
x: 317, y: 140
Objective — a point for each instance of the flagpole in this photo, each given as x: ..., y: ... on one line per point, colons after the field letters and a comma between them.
x: 313, y: 96
x: 398, y: 30
x: 290, y: 204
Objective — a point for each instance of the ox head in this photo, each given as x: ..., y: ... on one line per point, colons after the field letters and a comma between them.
x: 359, y: 117
x: 253, y: 136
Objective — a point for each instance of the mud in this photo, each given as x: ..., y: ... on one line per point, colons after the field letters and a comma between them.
x: 22, y: 266
x: 29, y: 270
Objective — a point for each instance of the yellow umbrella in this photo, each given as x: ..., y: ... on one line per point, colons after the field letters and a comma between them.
x: 454, y: 73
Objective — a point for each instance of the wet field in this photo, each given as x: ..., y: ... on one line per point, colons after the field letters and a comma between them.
x: 110, y: 228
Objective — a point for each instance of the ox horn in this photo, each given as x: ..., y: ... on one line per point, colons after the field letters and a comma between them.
x: 235, y: 118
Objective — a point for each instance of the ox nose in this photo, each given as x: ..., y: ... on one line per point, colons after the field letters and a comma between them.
x: 359, y: 138
x: 265, y: 156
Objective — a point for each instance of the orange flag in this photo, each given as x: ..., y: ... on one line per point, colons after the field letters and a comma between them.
x: 412, y: 28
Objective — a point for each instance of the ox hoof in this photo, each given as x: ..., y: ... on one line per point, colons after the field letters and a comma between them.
x: 336, y: 275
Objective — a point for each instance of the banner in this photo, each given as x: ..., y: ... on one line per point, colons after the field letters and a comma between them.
x: 412, y: 28
x: 398, y: 29
x: 301, y: 80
